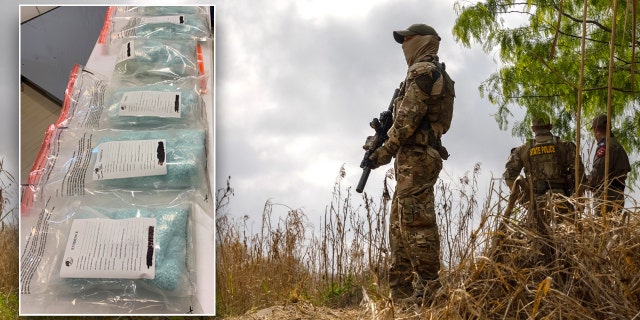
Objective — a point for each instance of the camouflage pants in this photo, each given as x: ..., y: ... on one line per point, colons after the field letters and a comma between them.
x: 413, y: 232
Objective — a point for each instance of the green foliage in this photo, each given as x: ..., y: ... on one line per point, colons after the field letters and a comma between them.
x: 8, y: 305
x: 539, y: 45
x: 343, y: 294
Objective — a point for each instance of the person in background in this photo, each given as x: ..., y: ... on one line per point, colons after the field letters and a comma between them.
x: 619, y: 167
x: 549, y: 166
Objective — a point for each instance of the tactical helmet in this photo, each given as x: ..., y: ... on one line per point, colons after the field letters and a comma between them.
x: 413, y: 30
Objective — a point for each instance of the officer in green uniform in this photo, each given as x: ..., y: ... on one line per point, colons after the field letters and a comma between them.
x: 549, y: 166
x: 619, y: 167
x: 413, y: 140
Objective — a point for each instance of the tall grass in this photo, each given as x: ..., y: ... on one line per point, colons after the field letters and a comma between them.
x: 9, y: 271
x: 494, y: 266
x: 9, y: 258
x: 9, y: 244
x: 329, y: 264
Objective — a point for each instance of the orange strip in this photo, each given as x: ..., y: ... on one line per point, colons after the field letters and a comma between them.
x: 36, y: 171
x: 200, y: 59
x: 66, y: 105
x: 102, y: 39
x: 203, y: 83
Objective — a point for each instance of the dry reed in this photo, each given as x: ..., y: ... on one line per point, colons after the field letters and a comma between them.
x: 493, y: 268
x: 9, y: 258
x: 582, y: 268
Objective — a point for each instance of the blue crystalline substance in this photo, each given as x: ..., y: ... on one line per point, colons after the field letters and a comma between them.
x: 171, y: 243
x: 153, y: 60
x: 171, y: 274
x: 189, y: 108
x: 185, y: 159
x: 192, y: 27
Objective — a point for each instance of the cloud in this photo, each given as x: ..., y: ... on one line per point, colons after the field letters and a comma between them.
x: 298, y: 83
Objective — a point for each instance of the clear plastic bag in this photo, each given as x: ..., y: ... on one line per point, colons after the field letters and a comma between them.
x: 31, y: 192
x: 175, y: 27
x: 172, y: 287
x: 163, y: 105
x: 160, y: 10
x: 83, y: 100
x: 75, y: 162
x: 184, y: 158
x: 154, y: 60
x: 93, y: 102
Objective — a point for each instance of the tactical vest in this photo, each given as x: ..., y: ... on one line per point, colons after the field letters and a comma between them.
x: 546, y: 165
x: 431, y: 78
x: 441, y: 92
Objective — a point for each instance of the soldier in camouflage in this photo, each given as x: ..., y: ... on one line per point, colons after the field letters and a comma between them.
x: 549, y: 166
x: 619, y: 167
x: 416, y: 130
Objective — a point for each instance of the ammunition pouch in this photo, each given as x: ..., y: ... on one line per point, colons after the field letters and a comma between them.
x: 436, y: 143
x: 428, y: 137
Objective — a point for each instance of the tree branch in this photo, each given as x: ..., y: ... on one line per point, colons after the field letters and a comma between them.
x: 557, y: 31
x: 559, y: 75
x: 593, y: 22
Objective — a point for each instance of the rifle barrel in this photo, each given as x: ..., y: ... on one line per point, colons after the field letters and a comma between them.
x: 363, y: 179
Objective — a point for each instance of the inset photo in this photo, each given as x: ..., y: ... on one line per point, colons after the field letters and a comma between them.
x: 116, y: 213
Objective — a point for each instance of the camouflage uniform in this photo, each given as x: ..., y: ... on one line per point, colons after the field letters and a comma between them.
x: 549, y: 165
x: 619, y: 167
x: 414, y: 238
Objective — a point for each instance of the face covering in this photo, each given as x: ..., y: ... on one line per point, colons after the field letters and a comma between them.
x: 419, y: 47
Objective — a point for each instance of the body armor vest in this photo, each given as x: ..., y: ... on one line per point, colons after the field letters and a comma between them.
x: 430, y: 76
x: 547, y: 166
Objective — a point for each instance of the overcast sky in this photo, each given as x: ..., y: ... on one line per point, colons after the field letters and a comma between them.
x: 9, y: 106
x: 299, y: 82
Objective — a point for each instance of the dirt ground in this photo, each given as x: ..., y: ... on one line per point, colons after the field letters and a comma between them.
x: 300, y: 311
x: 373, y: 309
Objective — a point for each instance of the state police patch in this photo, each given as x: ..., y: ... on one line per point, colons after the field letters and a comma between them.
x: 600, y: 152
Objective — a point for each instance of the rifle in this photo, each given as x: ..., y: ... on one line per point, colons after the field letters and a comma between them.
x: 381, y: 126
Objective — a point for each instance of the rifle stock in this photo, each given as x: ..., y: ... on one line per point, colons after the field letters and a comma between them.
x: 381, y: 126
